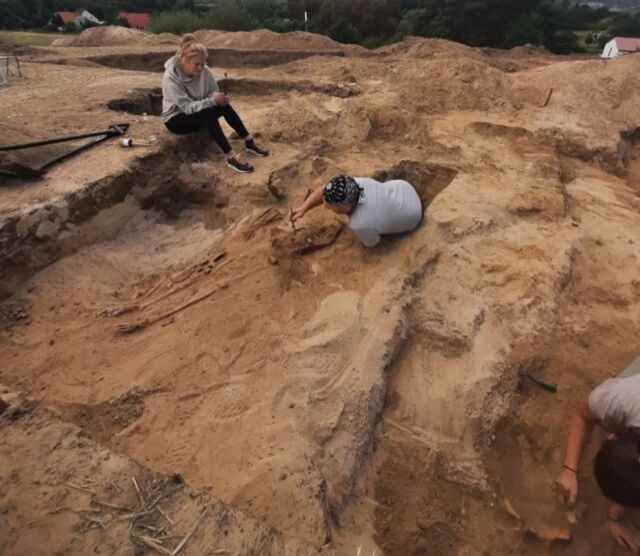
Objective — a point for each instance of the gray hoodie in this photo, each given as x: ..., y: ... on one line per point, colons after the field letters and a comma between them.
x: 185, y: 95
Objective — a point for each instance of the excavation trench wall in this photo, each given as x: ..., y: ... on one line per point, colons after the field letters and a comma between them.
x: 149, y: 100
x: 219, y: 57
x: 37, y: 236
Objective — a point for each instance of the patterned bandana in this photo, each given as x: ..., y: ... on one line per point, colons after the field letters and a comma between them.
x: 342, y: 190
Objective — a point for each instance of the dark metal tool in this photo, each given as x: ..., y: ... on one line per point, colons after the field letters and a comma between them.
x: 544, y: 385
x: 535, y: 366
x: 31, y: 170
x: 113, y: 131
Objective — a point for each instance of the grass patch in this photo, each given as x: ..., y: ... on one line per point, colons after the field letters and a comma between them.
x: 27, y: 38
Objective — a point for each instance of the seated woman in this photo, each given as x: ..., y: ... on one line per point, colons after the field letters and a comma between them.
x: 192, y: 101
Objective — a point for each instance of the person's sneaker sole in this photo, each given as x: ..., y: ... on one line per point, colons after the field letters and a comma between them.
x: 240, y: 171
x: 256, y: 153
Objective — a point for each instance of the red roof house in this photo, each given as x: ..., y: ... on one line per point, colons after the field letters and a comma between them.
x: 66, y: 17
x: 627, y: 44
x: 619, y: 46
x: 136, y: 20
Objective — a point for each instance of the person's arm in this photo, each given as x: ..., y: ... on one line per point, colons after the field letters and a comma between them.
x: 213, y: 90
x: 580, y: 430
x: 623, y: 535
x: 212, y: 84
x: 176, y: 95
x: 314, y: 200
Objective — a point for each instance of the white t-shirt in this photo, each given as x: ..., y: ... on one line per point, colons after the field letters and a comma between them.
x: 616, y: 403
x: 391, y: 207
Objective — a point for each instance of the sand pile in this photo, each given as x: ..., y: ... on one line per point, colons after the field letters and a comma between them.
x: 529, y: 50
x: 609, y: 85
x: 516, y: 59
x: 111, y: 35
x: 434, y: 86
x: 264, y: 39
x: 162, y: 38
x: 428, y: 48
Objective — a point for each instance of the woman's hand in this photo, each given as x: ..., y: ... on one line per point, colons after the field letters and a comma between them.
x: 298, y: 213
x: 220, y: 98
x: 567, y: 483
x: 624, y: 536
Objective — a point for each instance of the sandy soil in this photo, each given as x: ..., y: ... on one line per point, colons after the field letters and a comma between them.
x: 262, y: 39
x: 109, y: 35
x: 351, y: 401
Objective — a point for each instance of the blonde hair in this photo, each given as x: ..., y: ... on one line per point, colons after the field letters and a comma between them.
x: 190, y: 48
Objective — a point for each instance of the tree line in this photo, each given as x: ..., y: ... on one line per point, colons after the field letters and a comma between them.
x: 34, y: 14
x: 562, y: 26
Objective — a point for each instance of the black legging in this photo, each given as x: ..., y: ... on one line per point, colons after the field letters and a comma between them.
x: 181, y: 124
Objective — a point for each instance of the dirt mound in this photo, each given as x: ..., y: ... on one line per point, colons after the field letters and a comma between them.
x: 428, y: 48
x: 516, y: 59
x: 162, y: 38
x: 608, y: 85
x: 467, y: 83
x: 264, y: 39
x: 111, y: 35
x: 529, y: 50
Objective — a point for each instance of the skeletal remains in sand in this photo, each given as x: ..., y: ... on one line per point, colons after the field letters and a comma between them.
x: 129, y: 328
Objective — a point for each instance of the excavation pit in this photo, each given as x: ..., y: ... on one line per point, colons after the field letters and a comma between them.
x: 428, y: 179
x: 166, y: 182
x: 218, y: 58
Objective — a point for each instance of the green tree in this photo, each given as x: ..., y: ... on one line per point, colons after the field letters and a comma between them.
x: 375, y: 18
x: 228, y: 15
x: 528, y: 28
x: 626, y: 26
x: 565, y: 42
x: 178, y: 22
x: 264, y: 10
x: 410, y: 23
x: 345, y: 32
x: 474, y: 22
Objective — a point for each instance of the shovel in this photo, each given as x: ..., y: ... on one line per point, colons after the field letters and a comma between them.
x: 31, y: 165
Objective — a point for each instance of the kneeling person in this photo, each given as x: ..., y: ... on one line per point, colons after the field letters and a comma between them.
x: 615, y: 406
x: 374, y: 208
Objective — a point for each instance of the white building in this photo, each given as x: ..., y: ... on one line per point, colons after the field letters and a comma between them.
x: 87, y: 17
x: 619, y: 46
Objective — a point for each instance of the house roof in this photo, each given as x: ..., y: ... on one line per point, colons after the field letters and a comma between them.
x: 67, y: 17
x: 135, y: 20
x: 627, y: 44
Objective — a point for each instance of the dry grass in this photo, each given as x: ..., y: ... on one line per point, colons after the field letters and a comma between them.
x: 27, y: 38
